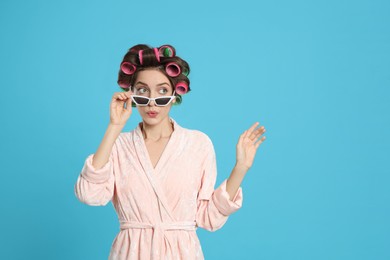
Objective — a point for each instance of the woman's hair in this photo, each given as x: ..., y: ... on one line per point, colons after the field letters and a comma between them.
x: 163, y: 58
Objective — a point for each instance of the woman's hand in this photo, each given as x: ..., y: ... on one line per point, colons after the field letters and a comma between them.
x: 246, y: 150
x: 247, y: 146
x: 118, y: 113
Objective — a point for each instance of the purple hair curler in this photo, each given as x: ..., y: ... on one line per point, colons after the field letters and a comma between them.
x: 173, y: 69
x: 181, y: 88
x: 166, y: 51
x: 141, y: 61
x: 128, y: 68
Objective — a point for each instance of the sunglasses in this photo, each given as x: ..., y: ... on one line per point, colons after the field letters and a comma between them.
x: 159, y: 101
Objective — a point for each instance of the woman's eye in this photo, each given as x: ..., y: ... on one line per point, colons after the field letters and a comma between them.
x: 163, y: 91
x: 141, y: 91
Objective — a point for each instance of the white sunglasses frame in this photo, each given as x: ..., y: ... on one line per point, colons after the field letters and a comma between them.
x: 152, y: 99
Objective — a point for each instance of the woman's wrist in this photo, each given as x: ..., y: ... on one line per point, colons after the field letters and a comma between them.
x: 113, y: 131
x: 117, y: 127
x: 241, y: 168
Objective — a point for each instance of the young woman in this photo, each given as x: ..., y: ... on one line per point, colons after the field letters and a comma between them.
x: 160, y: 177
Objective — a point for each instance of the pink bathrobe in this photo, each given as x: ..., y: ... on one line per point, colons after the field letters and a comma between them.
x: 159, y: 208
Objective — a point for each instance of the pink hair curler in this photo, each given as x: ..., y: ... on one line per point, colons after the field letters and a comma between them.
x: 128, y: 68
x: 181, y: 88
x: 141, y: 61
x: 173, y: 69
x: 123, y: 84
x: 166, y: 51
x: 157, y: 54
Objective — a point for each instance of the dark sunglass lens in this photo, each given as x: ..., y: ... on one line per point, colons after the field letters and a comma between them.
x: 141, y: 100
x: 162, y: 101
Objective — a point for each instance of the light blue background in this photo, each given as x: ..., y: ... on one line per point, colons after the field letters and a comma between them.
x: 314, y: 73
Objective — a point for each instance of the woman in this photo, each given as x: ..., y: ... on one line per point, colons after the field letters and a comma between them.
x: 160, y: 177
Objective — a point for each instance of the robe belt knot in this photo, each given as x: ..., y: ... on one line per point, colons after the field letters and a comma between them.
x: 158, y: 232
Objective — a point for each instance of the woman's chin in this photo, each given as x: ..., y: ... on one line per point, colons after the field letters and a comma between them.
x: 153, y: 120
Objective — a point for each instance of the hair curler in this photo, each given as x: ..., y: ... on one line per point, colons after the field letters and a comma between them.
x: 181, y: 88
x: 141, y: 61
x: 186, y: 72
x: 166, y: 51
x: 172, y: 69
x: 128, y: 68
x: 123, y: 84
x: 157, y: 54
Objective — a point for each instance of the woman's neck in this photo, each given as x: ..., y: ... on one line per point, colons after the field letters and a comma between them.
x: 157, y: 132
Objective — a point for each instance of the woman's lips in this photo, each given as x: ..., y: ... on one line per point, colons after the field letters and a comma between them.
x: 152, y: 114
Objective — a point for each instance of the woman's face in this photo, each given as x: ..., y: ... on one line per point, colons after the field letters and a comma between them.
x: 152, y: 83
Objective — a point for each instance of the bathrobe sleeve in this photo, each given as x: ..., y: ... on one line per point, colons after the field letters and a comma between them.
x: 95, y: 187
x: 214, y: 206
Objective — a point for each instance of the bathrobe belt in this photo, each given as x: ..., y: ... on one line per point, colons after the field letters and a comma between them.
x: 158, y: 232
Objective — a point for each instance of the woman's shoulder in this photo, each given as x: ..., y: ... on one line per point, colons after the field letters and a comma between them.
x: 196, y: 133
x: 196, y: 136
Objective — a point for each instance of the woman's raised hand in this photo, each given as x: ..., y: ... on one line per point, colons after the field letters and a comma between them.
x: 247, y: 145
x: 118, y: 113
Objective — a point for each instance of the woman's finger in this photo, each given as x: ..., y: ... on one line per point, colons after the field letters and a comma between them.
x: 253, y: 127
x: 122, y: 96
x: 255, y: 134
x: 242, y: 136
x: 250, y: 130
x: 260, y: 141
x: 128, y: 93
x: 259, y: 132
x: 128, y: 105
x: 116, y: 96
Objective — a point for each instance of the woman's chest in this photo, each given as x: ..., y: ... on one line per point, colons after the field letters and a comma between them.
x: 155, y: 149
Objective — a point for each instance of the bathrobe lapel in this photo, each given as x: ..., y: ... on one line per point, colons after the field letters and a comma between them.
x: 153, y: 174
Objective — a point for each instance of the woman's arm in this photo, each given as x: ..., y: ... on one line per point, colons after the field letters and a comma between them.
x: 95, y: 184
x: 118, y: 117
x: 214, y: 205
x: 246, y: 150
x: 102, y: 154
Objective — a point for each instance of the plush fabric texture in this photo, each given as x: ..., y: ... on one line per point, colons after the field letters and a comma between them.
x: 159, y: 208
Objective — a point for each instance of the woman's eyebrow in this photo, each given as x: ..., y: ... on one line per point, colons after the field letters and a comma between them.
x: 164, y: 83
x: 140, y: 82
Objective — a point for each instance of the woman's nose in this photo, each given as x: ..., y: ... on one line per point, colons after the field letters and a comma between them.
x: 152, y: 103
